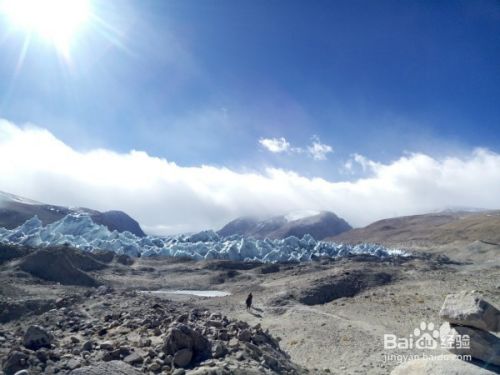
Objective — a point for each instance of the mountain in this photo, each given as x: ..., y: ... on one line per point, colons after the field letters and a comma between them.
x: 319, y: 224
x: 435, y: 228
x: 15, y: 210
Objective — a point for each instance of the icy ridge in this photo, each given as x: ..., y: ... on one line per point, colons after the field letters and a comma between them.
x: 79, y: 231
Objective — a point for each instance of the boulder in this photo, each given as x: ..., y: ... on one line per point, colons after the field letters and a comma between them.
x: 181, y: 336
x: 183, y: 357
x: 42, y: 355
x: 433, y: 367
x: 469, y: 309
x: 88, y: 346
x: 112, y: 367
x: 178, y: 337
x: 36, y: 337
x: 482, y: 345
x: 16, y: 361
x: 107, y: 345
x: 133, y: 359
x: 218, y: 350
x: 73, y: 363
x: 245, y: 335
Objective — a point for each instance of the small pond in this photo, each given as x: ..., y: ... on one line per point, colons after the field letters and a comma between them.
x: 197, y: 293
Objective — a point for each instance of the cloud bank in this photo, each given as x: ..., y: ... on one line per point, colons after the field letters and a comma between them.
x: 167, y: 198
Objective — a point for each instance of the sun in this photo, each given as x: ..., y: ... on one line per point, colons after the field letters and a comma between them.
x: 56, y: 21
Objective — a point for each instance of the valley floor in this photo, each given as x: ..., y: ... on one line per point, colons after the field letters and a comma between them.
x: 340, y: 333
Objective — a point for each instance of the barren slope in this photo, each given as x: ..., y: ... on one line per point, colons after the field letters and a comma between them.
x: 435, y: 229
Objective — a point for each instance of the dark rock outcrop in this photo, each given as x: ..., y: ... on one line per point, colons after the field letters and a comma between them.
x: 37, y: 337
x: 11, y: 310
x: 63, y: 265
x: 347, y: 284
x: 15, y: 361
x: 10, y: 252
x: 118, y: 220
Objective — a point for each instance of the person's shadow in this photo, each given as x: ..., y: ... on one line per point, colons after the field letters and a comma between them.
x: 254, y: 313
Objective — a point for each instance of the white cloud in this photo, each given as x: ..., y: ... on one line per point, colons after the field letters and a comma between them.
x: 166, y: 197
x: 364, y: 163
x: 318, y: 150
x: 275, y: 145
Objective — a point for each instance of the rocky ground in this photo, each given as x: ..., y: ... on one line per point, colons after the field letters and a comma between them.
x: 151, y: 334
x: 321, y: 317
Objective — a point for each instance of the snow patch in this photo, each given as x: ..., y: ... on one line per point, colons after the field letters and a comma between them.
x: 301, y: 214
x: 7, y: 197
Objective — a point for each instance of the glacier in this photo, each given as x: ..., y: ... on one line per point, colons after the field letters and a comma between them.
x: 79, y: 231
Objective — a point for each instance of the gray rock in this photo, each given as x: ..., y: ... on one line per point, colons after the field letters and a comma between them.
x: 245, y: 335
x: 178, y: 337
x: 133, y: 359
x: 482, y: 345
x: 218, y: 350
x: 113, y: 367
x: 430, y: 367
x: 259, y: 339
x: 107, y: 345
x: 42, y: 355
x: 182, y: 336
x: 155, y: 367
x: 144, y: 342
x: 271, y: 362
x: 88, y: 346
x: 73, y: 363
x: 240, y: 356
x: 206, y: 371
x: 74, y: 340
x: 183, y: 357
x: 15, y: 362
x: 469, y: 309
x: 214, y: 323
x: 36, y: 337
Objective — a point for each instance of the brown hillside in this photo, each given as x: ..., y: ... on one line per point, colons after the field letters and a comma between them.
x: 439, y: 228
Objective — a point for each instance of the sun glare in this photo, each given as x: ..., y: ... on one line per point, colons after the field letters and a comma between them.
x: 55, y: 20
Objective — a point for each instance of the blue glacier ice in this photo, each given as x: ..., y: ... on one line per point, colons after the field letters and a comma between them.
x: 79, y: 231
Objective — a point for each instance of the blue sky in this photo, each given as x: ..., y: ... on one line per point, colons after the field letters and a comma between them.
x: 202, y: 82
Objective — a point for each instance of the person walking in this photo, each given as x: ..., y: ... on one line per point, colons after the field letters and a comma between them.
x: 249, y: 301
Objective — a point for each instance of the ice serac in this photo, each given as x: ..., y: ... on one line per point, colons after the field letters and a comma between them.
x: 318, y: 224
x: 15, y: 210
x: 78, y: 230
